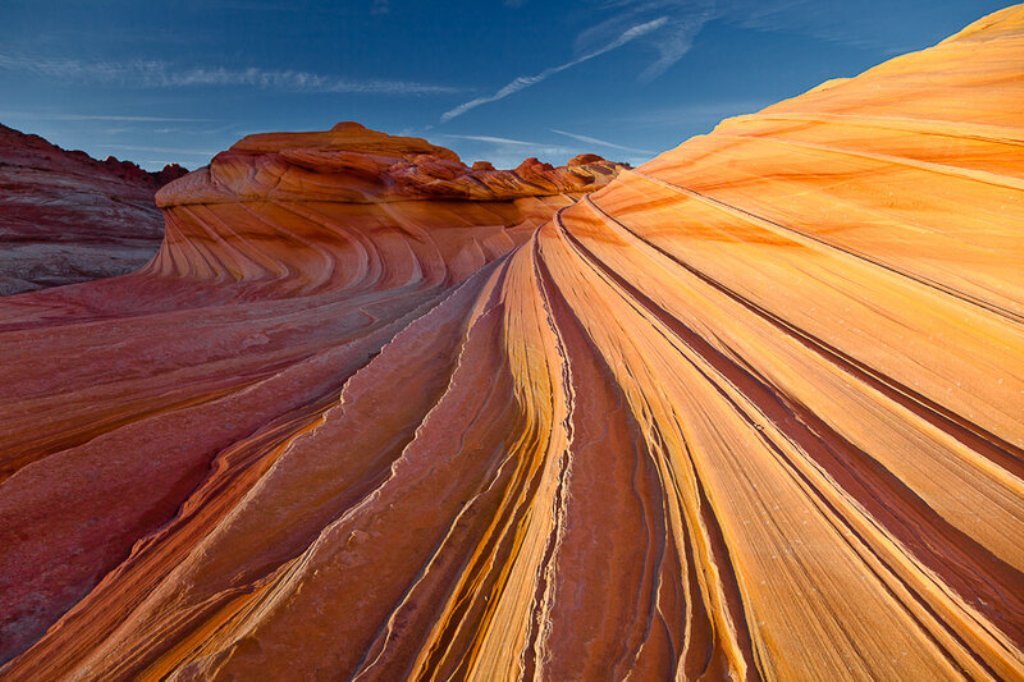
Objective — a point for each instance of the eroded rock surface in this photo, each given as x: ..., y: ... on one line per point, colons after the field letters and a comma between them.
x: 751, y: 410
x: 286, y: 266
x: 66, y: 217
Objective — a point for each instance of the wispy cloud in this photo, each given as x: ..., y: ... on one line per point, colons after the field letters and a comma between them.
x: 669, y: 28
x: 523, y: 82
x: 162, y: 150
x: 506, y: 152
x: 840, y: 23
x: 602, y: 143
x: 380, y: 7
x: 161, y: 74
x: 511, y: 157
x: 195, y: 130
x: 43, y: 116
x: 494, y: 140
x: 682, y: 22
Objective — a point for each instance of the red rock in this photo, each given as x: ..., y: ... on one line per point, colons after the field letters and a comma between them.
x: 278, y: 251
x: 583, y: 159
x: 750, y: 411
x: 66, y: 217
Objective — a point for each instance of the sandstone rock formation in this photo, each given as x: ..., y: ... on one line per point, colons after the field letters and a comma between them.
x: 751, y: 410
x: 286, y: 266
x: 66, y: 217
x: 291, y: 213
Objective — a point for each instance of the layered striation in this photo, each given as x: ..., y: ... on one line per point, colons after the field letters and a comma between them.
x: 283, y: 271
x: 66, y: 217
x: 351, y: 208
x: 752, y: 410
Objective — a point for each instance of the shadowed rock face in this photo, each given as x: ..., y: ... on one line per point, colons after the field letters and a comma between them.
x: 753, y: 409
x: 66, y: 217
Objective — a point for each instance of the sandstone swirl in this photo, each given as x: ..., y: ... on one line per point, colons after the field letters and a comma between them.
x: 751, y: 410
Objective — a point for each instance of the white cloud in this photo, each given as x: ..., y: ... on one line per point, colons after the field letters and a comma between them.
x: 43, y: 116
x: 161, y: 74
x: 683, y: 21
x: 506, y: 152
x: 494, y: 140
x: 511, y: 157
x: 841, y: 23
x: 297, y: 80
x: 602, y: 143
x: 523, y: 82
x: 162, y: 150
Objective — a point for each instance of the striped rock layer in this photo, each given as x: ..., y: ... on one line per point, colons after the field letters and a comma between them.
x: 66, y: 217
x: 125, y: 397
x: 753, y: 410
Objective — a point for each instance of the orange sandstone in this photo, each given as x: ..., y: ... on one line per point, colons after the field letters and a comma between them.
x: 752, y: 410
x: 285, y: 267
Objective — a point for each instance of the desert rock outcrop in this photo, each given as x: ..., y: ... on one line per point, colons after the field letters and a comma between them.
x: 286, y: 266
x: 66, y: 217
x: 753, y: 409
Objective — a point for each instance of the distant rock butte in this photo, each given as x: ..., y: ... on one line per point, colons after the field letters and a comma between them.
x: 296, y: 212
x: 752, y: 410
x: 352, y: 164
x: 66, y: 217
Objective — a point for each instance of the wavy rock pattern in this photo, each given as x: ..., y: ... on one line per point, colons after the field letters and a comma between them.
x: 128, y: 395
x: 752, y: 410
x: 66, y: 217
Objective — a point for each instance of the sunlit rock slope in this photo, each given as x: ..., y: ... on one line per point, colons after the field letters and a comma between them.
x: 286, y: 267
x: 753, y: 410
x: 66, y: 217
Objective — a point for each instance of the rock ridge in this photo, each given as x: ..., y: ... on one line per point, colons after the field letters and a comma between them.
x: 66, y: 217
x: 750, y: 411
x: 353, y: 164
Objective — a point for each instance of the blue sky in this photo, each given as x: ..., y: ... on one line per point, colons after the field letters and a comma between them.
x: 159, y: 82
